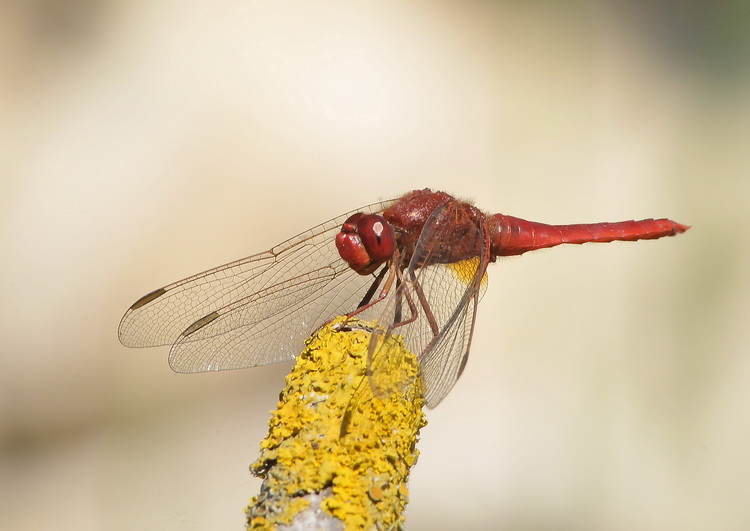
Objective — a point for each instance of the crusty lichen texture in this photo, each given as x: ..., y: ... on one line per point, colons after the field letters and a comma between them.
x: 335, y: 453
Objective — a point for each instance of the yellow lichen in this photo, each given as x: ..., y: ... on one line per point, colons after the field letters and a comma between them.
x: 330, y: 432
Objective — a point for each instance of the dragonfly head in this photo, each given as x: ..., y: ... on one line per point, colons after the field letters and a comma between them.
x: 365, y: 242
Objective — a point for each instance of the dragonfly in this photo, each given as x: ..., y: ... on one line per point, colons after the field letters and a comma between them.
x: 418, y: 264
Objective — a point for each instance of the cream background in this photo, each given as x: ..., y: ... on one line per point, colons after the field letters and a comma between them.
x: 141, y: 142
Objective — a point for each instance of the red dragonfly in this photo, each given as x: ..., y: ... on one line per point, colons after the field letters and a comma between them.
x: 416, y: 263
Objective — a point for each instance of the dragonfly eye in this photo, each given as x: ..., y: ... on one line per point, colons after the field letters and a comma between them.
x: 365, y: 242
x: 377, y: 237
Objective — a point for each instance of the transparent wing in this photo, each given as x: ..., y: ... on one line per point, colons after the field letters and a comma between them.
x: 443, y: 360
x: 253, y: 311
x: 440, y: 300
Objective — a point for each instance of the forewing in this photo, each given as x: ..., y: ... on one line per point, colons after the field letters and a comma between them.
x: 244, y: 303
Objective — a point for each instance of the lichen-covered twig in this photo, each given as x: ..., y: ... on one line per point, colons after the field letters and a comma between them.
x: 337, y: 457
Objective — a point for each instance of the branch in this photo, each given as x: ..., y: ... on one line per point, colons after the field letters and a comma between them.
x: 337, y: 457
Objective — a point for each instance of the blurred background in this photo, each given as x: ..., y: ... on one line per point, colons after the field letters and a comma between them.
x: 141, y: 142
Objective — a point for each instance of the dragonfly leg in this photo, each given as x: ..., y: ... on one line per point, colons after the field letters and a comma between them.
x: 413, y: 307
x: 425, y: 305
x: 391, y: 269
x: 373, y: 288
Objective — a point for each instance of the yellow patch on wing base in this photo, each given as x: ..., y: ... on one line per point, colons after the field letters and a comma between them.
x: 362, y: 473
x: 466, y: 269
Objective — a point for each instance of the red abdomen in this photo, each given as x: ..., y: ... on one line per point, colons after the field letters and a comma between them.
x: 512, y: 236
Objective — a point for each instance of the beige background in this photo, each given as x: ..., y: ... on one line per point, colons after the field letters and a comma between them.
x: 141, y: 142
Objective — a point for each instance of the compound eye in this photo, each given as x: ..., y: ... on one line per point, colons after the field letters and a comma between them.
x: 377, y: 237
